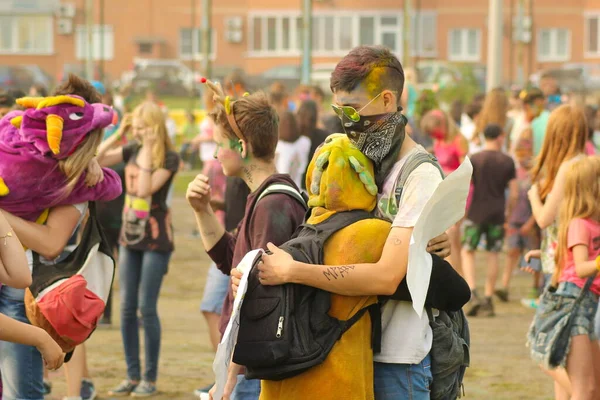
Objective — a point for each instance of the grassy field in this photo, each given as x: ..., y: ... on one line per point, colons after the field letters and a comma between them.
x: 500, y: 366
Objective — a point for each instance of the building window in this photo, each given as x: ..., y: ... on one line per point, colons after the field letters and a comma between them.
x: 276, y: 34
x: 190, y: 43
x: 26, y: 34
x: 592, y: 38
x: 464, y: 45
x: 279, y: 34
x: 145, y: 48
x: 554, y: 44
x: 103, y: 42
x: 423, y: 38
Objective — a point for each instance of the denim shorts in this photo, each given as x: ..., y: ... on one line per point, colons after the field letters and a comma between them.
x: 403, y: 381
x: 586, y: 312
x: 215, y: 290
x: 514, y: 239
x: 22, y: 366
x: 551, y: 317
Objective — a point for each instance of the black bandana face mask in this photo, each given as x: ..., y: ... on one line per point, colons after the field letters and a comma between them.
x: 379, y: 137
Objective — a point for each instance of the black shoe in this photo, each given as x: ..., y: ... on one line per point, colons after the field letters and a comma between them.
x: 473, y: 308
x: 487, y: 309
x: 473, y: 305
x: 47, y: 387
x: 502, y: 295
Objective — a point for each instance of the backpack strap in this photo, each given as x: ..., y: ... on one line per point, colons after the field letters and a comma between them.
x: 413, y: 162
x: 285, y: 189
x: 375, y: 314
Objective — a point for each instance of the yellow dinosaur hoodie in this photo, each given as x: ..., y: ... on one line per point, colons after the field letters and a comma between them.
x: 340, y: 178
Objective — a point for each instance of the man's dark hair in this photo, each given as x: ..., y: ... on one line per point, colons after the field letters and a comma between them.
x: 79, y: 87
x: 473, y: 109
x: 6, y: 100
x: 277, y: 98
x: 492, y: 132
x: 17, y: 93
x: 375, y: 66
x: 41, y: 90
x: 529, y: 96
x: 317, y: 91
x: 306, y: 117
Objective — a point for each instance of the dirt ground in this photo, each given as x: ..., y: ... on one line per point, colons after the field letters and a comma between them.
x: 500, y: 366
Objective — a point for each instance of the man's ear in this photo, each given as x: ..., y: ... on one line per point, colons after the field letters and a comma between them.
x: 243, y: 148
x: 390, y: 101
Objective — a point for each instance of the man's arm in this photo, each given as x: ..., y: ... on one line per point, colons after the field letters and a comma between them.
x: 513, y: 197
x: 380, y: 278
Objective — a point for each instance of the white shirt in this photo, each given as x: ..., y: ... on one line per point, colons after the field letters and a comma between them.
x: 467, y: 128
x: 406, y: 337
x: 82, y: 208
x: 207, y: 149
x: 292, y: 158
x: 171, y: 129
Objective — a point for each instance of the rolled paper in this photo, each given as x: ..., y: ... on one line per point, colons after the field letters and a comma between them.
x: 54, y: 130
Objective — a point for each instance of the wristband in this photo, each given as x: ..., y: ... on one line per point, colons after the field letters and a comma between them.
x: 598, y: 263
x: 145, y: 169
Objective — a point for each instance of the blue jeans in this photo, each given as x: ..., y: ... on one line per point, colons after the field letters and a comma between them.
x: 141, y: 274
x: 22, y: 367
x: 403, y: 381
x: 246, y: 389
x: 215, y: 290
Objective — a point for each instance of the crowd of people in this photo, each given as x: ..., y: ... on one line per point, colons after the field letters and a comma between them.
x: 532, y: 195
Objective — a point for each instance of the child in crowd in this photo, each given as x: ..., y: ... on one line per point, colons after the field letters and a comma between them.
x: 577, y: 259
x: 493, y: 172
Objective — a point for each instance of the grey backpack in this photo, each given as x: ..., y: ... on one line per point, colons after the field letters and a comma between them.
x: 451, y: 337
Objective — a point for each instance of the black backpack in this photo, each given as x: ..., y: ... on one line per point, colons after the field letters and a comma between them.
x: 285, y: 330
x: 451, y: 337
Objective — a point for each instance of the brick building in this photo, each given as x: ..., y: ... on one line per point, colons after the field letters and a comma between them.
x: 260, y: 34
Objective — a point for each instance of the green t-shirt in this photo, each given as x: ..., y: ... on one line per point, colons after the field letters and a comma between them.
x: 538, y: 128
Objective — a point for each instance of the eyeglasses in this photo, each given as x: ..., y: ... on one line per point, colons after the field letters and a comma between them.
x: 351, y: 112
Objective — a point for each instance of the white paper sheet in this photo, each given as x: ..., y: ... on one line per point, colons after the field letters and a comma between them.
x: 225, y: 349
x: 445, y: 208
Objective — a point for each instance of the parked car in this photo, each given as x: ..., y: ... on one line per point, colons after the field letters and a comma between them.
x: 572, y: 78
x: 40, y: 77
x: 435, y: 75
x: 165, y: 77
x: 16, y: 78
x: 291, y: 76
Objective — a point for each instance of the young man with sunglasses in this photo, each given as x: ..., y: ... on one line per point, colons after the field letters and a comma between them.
x: 367, y: 85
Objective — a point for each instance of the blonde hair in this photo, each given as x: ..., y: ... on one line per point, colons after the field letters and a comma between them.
x: 152, y: 116
x: 77, y: 163
x: 566, y: 135
x: 494, y: 111
x: 582, y: 190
